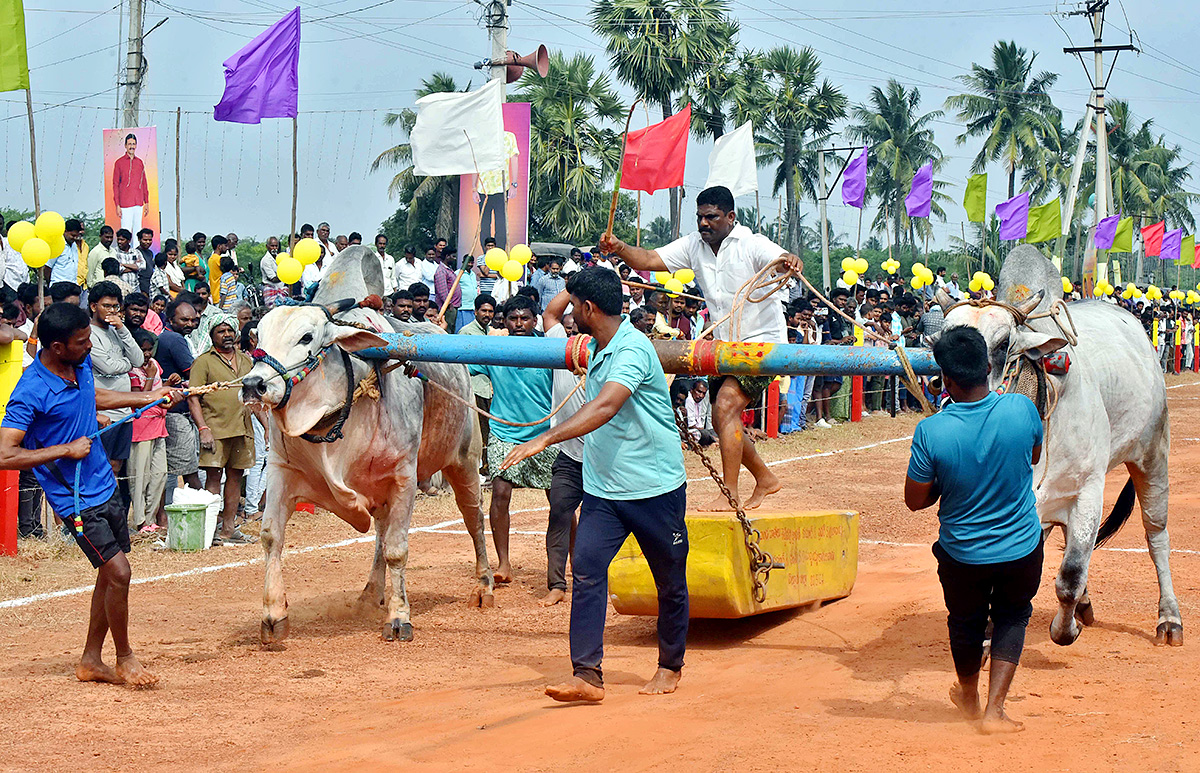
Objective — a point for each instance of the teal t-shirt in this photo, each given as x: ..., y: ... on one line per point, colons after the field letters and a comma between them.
x: 520, y: 395
x: 636, y: 454
x: 980, y: 454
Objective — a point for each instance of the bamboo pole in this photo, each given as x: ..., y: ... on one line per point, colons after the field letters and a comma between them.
x: 612, y: 209
x: 295, y: 185
x: 37, y: 196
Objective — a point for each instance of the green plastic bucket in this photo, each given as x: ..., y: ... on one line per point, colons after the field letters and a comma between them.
x: 185, y: 528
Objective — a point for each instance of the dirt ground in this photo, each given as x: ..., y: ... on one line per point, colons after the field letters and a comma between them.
x: 860, y: 684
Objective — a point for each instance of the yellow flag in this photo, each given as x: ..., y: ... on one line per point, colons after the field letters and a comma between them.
x: 1123, y: 238
x: 1187, y: 251
x: 975, y: 202
x: 14, y: 62
x: 1045, y: 222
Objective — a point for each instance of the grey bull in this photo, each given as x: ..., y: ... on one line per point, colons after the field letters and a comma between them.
x: 1111, y: 410
x: 387, y: 443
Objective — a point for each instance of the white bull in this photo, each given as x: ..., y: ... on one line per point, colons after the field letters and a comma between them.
x: 410, y: 432
x: 1111, y: 410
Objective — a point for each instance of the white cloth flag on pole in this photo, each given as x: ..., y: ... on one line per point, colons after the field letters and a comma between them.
x: 732, y: 162
x: 459, y: 133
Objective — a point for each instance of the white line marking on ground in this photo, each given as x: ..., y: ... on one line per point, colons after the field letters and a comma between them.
x: 1180, y: 386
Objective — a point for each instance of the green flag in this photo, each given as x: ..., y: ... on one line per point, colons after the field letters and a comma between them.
x: 1187, y: 251
x: 975, y: 202
x: 14, y: 63
x: 1045, y: 222
x: 1123, y: 239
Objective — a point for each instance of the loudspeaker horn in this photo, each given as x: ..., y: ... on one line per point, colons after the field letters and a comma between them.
x: 515, y: 65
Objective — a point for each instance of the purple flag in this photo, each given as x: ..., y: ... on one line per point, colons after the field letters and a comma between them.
x: 1106, y: 231
x: 1171, y: 244
x: 1014, y: 217
x: 262, y: 80
x: 920, y: 196
x: 854, y: 186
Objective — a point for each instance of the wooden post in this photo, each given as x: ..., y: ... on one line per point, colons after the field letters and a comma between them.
x: 612, y: 210
x: 858, y: 240
x: 295, y: 187
x: 178, y: 123
x: 639, y: 220
x: 37, y: 198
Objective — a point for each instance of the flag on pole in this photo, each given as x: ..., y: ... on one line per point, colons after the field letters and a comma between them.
x: 1123, y: 238
x: 1187, y: 251
x: 459, y: 132
x: 975, y: 202
x: 1152, y: 238
x: 1014, y: 217
x: 1045, y: 222
x: 1106, y: 232
x: 1196, y: 261
x: 655, y: 156
x: 14, y: 60
x: 262, y: 80
x: 732, y: 162
x: 854, y: 184
x: 919, y: 200
x: 1170, y: 246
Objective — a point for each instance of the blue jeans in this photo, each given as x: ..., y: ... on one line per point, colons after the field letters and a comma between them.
x: 604, y: 524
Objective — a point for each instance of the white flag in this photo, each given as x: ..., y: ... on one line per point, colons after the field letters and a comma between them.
x: 459, y: 133
x: 732, y: 163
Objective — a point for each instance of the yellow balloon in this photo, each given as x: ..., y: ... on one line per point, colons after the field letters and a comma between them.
x: 1066, y: 285
x: 861, y: 265
x: 918, y: 268
x: 520, y: 253
x: 917, y: 283
x: 685, y: 275
x: 35, y: 252
x: 306, y: 251
x: 19, y: 232
x: 511, y: 270
x: 288, y: 269
x: 989, y: 284
x: 847, y: 264
x: 57, y: 245
x: 49, y: 224
x: 850, y: 277
x: 495, y: 258
x: 661, y: 277
x: 975, y: 285
x: 673, y: 286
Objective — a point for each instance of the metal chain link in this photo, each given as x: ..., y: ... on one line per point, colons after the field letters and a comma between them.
x: 761, y: 562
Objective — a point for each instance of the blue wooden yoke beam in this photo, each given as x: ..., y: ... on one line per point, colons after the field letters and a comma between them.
x: 700, y: 358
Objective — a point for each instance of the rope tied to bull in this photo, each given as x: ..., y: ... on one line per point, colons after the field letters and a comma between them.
x: 1057, y: 312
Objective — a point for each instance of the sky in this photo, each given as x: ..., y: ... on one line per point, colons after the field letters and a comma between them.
x: 361, y: 58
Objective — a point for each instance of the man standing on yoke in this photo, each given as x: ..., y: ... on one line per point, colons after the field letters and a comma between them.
x: 48, y: 427
x: 633, y: 482
x: 725, y: 256
x: 977, y: 456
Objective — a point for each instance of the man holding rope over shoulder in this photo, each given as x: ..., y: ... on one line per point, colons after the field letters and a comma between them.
x: 725, y: 256
x: 48, y: 427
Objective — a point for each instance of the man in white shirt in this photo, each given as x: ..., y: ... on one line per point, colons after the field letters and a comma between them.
x: 15, y: 270
x: 388, y: 263
x: 724, y: 256
x: 103, y: 250
x: 273, y: 288
x: 408, y: 269
x: 323, y: 238
x: 430, y: 265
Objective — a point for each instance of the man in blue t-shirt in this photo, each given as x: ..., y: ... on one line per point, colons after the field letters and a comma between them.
x: 48, y: 427
x: 977, y: 456
x: 633, y: 483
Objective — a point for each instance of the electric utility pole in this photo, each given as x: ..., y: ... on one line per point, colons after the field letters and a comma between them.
x: 1094, y: 10
x: 135, y: 62
x: 495, y: 17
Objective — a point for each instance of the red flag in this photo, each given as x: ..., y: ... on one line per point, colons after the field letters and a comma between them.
x: 1196, y: 260
x: 1152, y: 236
x: 654, y: 156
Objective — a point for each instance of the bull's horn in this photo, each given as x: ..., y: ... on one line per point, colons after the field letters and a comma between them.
x: 1027, y: 306
x: 370, y: 302
x: 943, y: 298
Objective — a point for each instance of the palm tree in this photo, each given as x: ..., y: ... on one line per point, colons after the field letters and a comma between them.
x: 901, y: 142
x: 710, y: 94
x: 574, y: 152
x: 441, y: 191
x: 656, y: 46
x: 1008, y: 106
x: 1050, y: 173
x: 795, y: 116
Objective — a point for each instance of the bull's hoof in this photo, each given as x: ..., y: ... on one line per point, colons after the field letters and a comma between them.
x: 398, y: 631
x: 1170, y: 634
x: 481, y: 598
x: 1085, y: 614
x: 273, y: 632
x: 1064, y: 635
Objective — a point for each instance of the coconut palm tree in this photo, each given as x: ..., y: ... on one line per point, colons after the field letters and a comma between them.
x: 441, y: 192
x: 656, y: 46
x: 574, y: 145
x: 711, y: 92
x: 796, y: 114
x: 901, y: 141
x: 1009, y: 107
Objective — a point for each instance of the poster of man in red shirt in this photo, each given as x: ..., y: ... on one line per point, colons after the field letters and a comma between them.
x: 131, y: 181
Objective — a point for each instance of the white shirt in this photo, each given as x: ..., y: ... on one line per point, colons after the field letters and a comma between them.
x: 407, y: 274
x: 563, y: 382
x: 699, y: 415
x: 175, y: 272
x: 742, y: 254
x: 428, y: 271
x: 270, y: 271
x: 388, y: 263
x: 15, y: 270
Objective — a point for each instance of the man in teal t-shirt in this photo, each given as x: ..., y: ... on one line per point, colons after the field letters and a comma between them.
x: 521, y: 396
x: 633, y: 483
x: 977, y: 456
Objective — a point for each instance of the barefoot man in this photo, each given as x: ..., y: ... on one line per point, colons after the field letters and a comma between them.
x: 47, y: 425
x: 977, y: 456
x: 633, y: 482
x: 724, y: 256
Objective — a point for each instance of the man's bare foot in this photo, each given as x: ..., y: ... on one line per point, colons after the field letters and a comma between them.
x: 967, y: 702
x: 663, y: 682
x: 97, y: 670
x: 719, y: 504
x: 763, y: 488
x: 130, y: 670
x: 503, y: 573
x: 555, y: 596
x: 574, y: 690
x: 996, y: 723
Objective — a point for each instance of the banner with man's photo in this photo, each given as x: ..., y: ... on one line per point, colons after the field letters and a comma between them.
x: 131, y: 181
x: 495, y: 202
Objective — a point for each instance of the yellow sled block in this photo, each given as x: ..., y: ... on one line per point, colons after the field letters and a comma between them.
x: 819, y: 552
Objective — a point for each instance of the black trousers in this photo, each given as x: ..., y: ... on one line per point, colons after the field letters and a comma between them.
x: 974, y: 593
x: 493, y: 220
x: 566, y: 493
x: 29, y: 505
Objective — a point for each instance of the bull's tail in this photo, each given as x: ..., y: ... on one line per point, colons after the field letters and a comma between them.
x: 1119, y: 515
